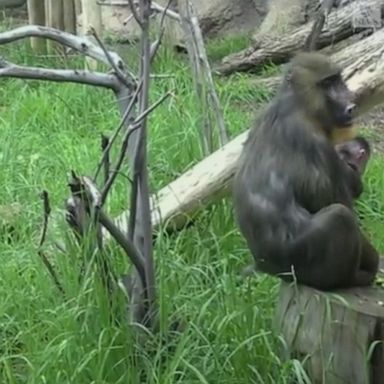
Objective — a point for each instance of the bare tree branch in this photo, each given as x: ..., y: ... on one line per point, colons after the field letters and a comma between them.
x: 157, y: 8
x: 47, y: 212
x: 156, y: 44
x: 202, y: 75
x: 160, y: 9
x: 106, y: 160
x: 113, y: 175
x: 134, y: 127
x: 119, y: 128
x: 97, y: 79
x: 119, y: 73
x: 78, y: 43
x: 142, y: 230
x: 84, y: 190
x: 132, y: 6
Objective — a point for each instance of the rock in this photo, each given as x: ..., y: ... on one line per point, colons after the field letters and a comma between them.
x: 217, y: 18
x: 223, y: 17
x: 282, y: 17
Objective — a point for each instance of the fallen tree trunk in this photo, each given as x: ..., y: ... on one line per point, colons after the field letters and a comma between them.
x: 351, y: 58
x: 181, y: 200
x: 339, y: 26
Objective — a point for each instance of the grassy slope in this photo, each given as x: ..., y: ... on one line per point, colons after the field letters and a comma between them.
x: 47, y: 129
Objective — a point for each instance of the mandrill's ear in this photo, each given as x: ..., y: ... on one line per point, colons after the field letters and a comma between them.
x: 340, y: 135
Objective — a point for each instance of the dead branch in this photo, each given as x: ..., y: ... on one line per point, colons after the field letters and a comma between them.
x: 47, y: 212
x: 142, y: 225
x: 98, y: 79
x: 118, y: 72
x: 160, y: 9
x: 122, y: 124
x: 78, y: 43
x: 156, y: 44
x: 106, y: 160
x: 112, y: 176
x: 202, y: 75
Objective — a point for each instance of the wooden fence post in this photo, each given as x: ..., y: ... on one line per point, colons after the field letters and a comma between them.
x: 36, y: 16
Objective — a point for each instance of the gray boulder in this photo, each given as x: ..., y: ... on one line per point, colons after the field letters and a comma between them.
x: 217, y: 18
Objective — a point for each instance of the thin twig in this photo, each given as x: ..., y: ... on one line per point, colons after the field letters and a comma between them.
x: 134, y: 127
x: 135, y: 14
x: 106, y: 160
x: 145, y: 113
x: 155, y: 46
x: 120, y: 160
x: 47, y: 212
x: 48, y: 265
x: 51, y: 271
x: 98, y: 79
x: 78, y: 43
x: 119, y: 73
x: 168, y: 12
x: 129, y: 248
x: 203, y: 80
x: 118, y: 129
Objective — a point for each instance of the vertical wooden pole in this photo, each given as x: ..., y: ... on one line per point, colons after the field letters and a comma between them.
x: 78, y: 8
x: 69, y: 16
x: 36, y: 15
x: 46, y: 6
x: 91, y: 17
x: 55, y: 14
x: 55, y: 19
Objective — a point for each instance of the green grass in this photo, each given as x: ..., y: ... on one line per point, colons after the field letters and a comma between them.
x: 46, y: 130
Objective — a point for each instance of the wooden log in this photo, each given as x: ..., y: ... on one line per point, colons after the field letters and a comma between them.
x: 338, y: 335
x: 340, y: 24
x: 36, y: 16
x: 178, y: 202
x: 351, y: 57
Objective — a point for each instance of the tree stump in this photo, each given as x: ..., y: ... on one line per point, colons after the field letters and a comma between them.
x: 338, y: 335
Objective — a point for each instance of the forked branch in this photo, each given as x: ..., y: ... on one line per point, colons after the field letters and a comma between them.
x: 78, y: 43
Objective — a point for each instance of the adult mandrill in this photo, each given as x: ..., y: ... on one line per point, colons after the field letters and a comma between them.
x: 293, y: 192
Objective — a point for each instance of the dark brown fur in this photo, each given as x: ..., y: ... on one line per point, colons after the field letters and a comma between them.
x: 355, y: 153
x: 293, y: 194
